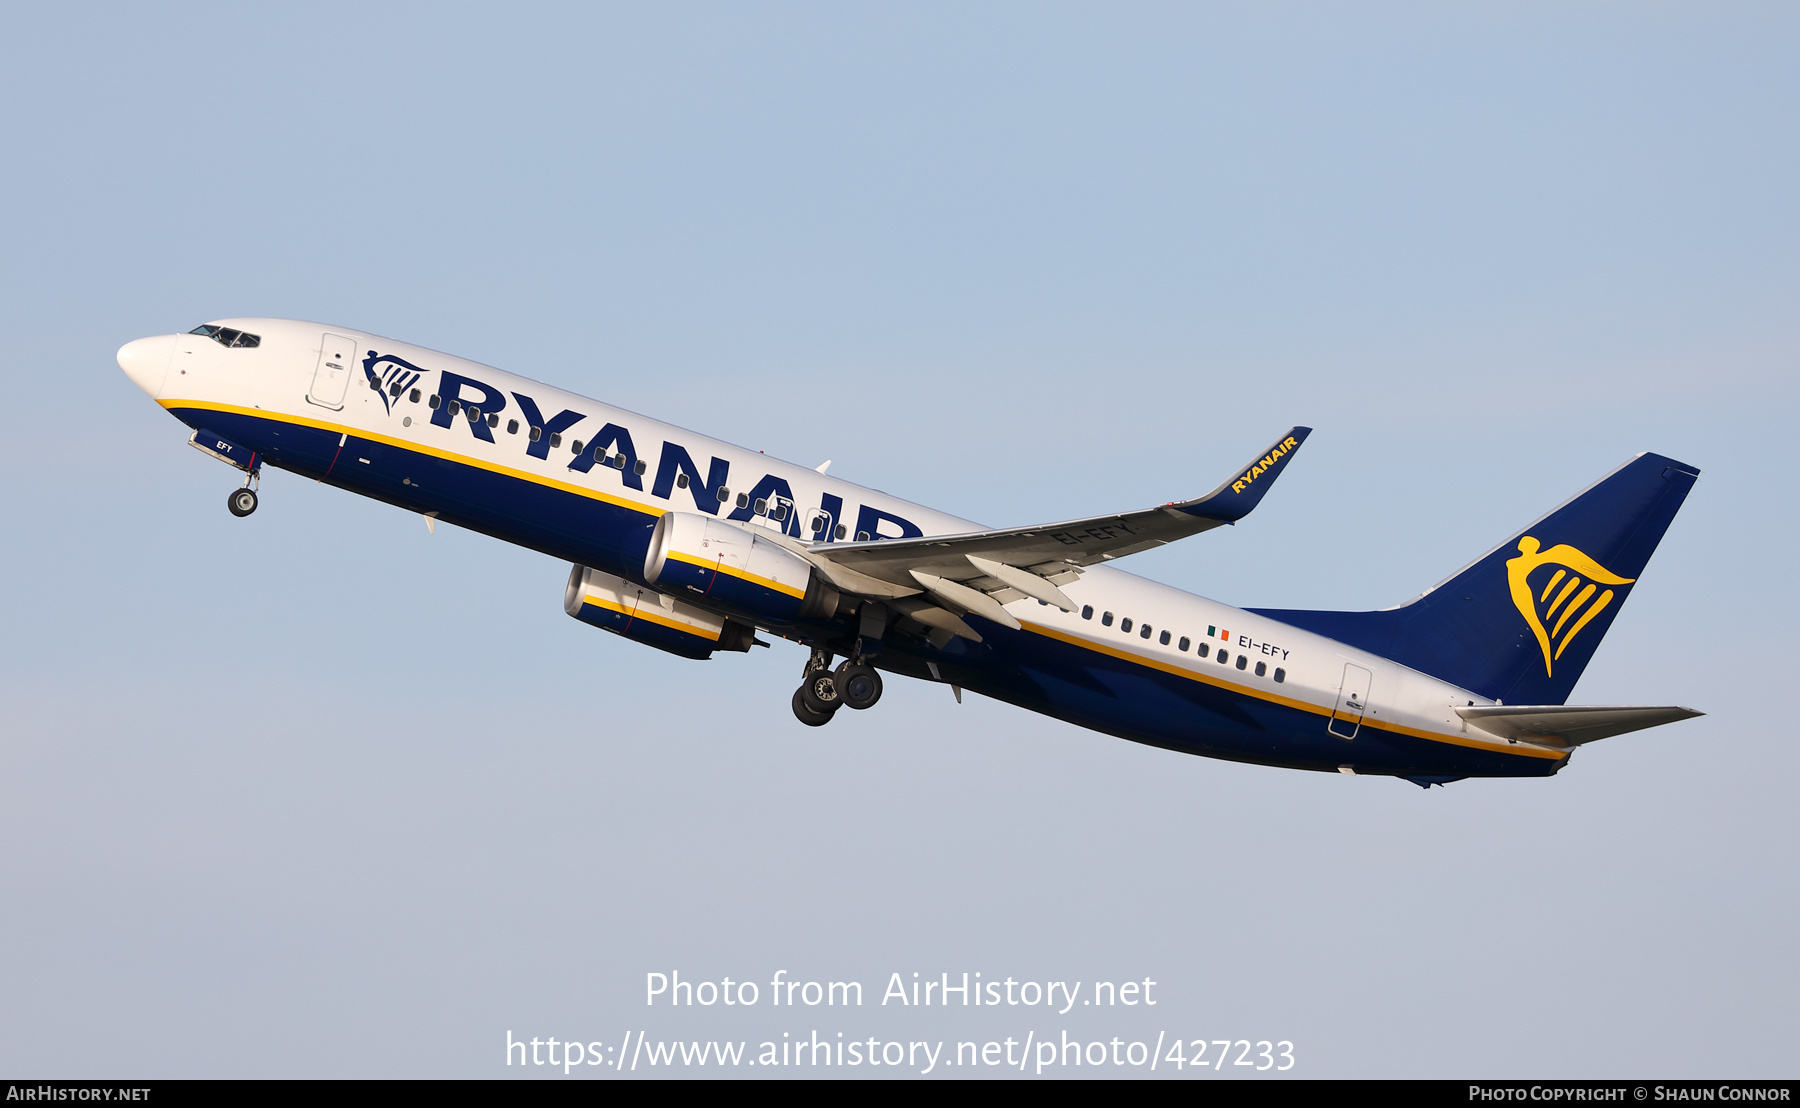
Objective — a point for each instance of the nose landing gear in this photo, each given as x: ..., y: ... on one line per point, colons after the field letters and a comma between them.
x: 241, y: 501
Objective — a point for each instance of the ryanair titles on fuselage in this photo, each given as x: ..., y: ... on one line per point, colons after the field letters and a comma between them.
x: 481, y: 405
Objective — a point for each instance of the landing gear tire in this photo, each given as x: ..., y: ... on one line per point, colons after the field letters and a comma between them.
x: 858, y: 685
x: 804, y: 713
x: 241, y: 502
x: 819, y: 692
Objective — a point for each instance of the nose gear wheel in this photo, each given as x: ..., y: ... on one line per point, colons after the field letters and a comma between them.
x: 241, y: 502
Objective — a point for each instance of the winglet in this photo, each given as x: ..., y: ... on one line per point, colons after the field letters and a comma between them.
x: 1237, y: 497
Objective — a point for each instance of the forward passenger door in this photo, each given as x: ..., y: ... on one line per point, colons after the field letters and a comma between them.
x: 331, y: 380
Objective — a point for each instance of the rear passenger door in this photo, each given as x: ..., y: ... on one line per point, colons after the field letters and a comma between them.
x: 1352, y: 702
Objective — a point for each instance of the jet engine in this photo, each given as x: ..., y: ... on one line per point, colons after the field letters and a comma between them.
x: 650, y: 617
x: 723, y: 565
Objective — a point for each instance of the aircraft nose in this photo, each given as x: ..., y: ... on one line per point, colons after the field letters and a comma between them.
x: 146, y: 362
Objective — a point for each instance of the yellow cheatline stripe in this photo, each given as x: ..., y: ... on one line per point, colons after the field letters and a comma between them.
x: 417, y: 448
x: 765, y: 582
x: 1574, y: 606
x: 1599, y: 606
x: 652, y: 613
x: 1559, y: 576
x: 595, y: 494
x: 1275, y: 698
x: 1560, y: 597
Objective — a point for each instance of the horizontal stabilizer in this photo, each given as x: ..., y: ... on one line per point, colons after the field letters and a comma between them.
x: 1567, y: 726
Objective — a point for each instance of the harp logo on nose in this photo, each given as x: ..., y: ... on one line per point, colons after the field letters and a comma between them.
x: 390, y: 376
x: 1573, y: 590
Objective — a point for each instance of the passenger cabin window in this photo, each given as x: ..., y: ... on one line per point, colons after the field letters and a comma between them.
x: 434, y: 403
x: 762, y: 507
x: 555, y: 440
x: 1203, y: 650
x: 641, y: 468
x: 1145, y: 633
x: 841, y: 531
x: 681, y: 481
x: 1183, y: 644
x: 724, y: 494
x: 1243, y: 660
x: 1106, y: 619
x: 1163, y: 638
x: 779, y: 512
x: 1262, y: 668
x: 577, y: 448
x: 512, y: 426
x: 1280, y: 675
x: 862, y: 536
x: 1125, y: 625
x: 1224, y: 656
x: 493, y: 419
x: 537, y: 433
x: 1087, y: 611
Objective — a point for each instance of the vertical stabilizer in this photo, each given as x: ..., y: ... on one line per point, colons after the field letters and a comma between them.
x: 1520, y: 624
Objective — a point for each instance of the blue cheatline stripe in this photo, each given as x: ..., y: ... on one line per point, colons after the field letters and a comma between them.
x: 1064, y: 676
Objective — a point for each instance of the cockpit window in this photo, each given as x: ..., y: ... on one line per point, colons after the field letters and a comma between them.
x: 225, y: 336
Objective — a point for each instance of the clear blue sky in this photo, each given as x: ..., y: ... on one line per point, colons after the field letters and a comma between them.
x: 317, y: 793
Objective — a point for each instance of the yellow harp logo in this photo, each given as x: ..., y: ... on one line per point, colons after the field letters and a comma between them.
x: 1568, y: 592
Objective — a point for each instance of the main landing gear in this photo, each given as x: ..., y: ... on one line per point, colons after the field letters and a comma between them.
x: 855, y: 684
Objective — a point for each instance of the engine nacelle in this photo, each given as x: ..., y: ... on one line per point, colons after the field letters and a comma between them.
x: 721, y: 564
x: 647, y: 616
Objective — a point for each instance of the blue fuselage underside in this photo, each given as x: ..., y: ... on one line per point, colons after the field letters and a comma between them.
x: 1047, y: 675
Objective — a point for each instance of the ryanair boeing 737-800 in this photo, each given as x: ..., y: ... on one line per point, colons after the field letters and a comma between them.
x: 691, y: 545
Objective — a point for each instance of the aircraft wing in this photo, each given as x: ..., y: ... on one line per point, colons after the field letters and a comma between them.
x: 981, y: 570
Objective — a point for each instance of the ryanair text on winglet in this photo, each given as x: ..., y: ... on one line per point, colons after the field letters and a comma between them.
x: 1263, y: 463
